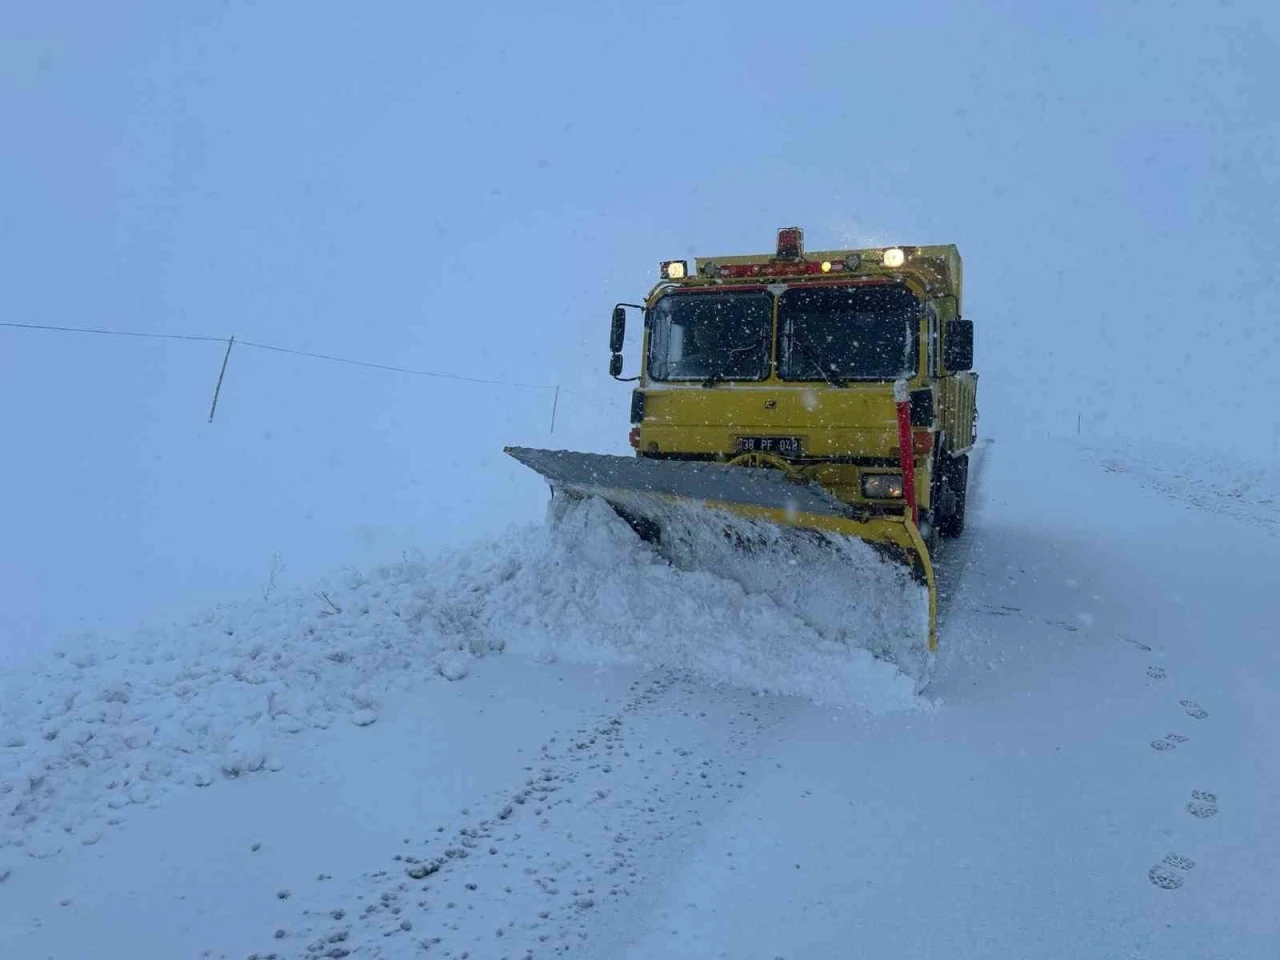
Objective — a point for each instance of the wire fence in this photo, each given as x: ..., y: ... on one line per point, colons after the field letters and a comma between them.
x: 231, y: 342
x: 112, y: 333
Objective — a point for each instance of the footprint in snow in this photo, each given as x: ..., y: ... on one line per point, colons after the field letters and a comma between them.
x: 1203, y: 804
x: 1169, y: 741
x: 1164, y: 877
x: 1194, y: 709
x: 1156, y: 673
x: 1167, y: 875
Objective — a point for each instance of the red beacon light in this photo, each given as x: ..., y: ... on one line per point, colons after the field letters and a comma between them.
x: 790, y: 243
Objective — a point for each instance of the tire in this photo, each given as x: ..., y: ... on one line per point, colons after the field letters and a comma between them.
x: 954, y: 490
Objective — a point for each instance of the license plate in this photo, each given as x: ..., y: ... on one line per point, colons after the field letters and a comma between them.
x: 782, y: 446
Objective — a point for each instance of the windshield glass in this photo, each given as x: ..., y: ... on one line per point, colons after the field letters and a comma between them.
x: 711, y: 336
x: 848, y: 333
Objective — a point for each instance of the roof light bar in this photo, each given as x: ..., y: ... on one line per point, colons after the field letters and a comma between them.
x: 776, y: 268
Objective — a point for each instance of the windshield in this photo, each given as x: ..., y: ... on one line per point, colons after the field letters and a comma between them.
x: 711, y: 336
x: 848, y: 333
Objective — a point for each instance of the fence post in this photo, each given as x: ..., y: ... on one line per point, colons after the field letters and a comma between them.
x: 221, y: 373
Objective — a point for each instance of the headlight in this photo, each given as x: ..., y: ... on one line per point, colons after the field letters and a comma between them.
x: 882, y: 486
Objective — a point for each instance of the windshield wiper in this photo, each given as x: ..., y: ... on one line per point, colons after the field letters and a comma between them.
x: 719, y: 375
x: 817, y: 360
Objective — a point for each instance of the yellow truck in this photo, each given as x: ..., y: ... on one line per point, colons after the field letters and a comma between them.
x: 829, y: 393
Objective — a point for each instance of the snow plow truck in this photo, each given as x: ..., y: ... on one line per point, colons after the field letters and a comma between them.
x: 816, y: 396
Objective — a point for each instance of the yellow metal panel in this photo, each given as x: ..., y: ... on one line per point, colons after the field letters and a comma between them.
x: 958, y: 409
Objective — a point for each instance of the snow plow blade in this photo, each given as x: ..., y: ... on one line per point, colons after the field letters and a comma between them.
x: 646, y: 491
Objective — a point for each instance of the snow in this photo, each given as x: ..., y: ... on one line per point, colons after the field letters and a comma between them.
x: 104, y: 726
x: 783, y: 615
x: 1210, y: 481
x: 578, y: 793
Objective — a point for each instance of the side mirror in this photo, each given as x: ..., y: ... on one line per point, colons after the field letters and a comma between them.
x: 615, y: 365
x: 619, y: 329
x: 957, y: 351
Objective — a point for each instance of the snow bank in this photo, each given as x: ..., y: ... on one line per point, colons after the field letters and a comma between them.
x: 100, y: 729
x: 737, y: 603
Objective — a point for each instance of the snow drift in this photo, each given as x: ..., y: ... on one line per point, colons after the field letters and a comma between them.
x: 100, y: 728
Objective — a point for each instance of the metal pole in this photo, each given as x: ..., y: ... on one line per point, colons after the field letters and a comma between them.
x: 221, y: 373
x: 906, y: 452
x: 554, y: 404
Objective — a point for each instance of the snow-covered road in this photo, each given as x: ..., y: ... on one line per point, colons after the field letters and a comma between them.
x: 1109, y: 732
x: 1096, y: 776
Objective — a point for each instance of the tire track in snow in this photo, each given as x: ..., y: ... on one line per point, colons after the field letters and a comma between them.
x: 568, y: 861
x: 1246, y: 491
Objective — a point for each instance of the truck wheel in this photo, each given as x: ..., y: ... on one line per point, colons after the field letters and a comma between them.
x: 955, y: 481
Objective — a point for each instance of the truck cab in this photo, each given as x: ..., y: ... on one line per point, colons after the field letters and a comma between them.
x: 789, y: 360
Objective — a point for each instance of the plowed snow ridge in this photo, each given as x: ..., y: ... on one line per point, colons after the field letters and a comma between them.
x: 99, y: 728
x: 1203, y: 480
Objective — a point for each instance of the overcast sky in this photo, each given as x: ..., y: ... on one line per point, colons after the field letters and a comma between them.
x: 469, y: 189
